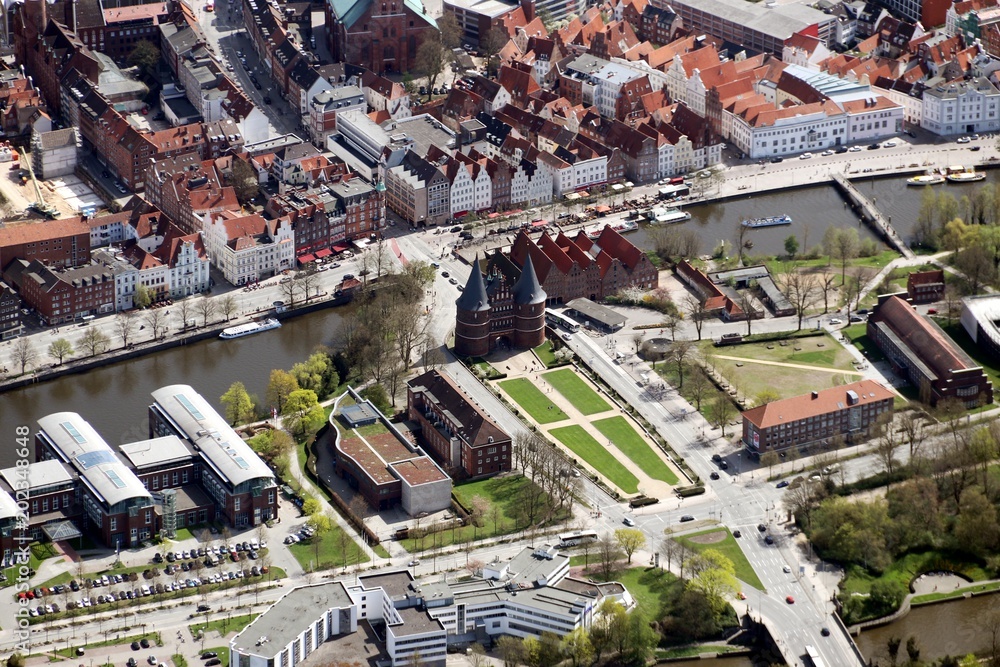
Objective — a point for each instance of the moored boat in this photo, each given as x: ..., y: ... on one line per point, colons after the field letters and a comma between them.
x: 623, y: 227
x: 241, y: 330
x: 930, y: 178
x: 668, y: 216
x: 961, y: 174
x: 774, y: 221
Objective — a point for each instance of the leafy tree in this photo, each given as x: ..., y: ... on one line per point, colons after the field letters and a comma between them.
x: 60, y: 349
x: 791, y: 246
x: 94, y: 341
x: 511, y: 650
x: 144, y: 55
x: 629, y: 539
x: 311, y: 506
x: 377, y: 394
x: 714, y: 575
x: 976, y: 529
x: 316, y: 373
x: 885, y: 595
x: 238, y: 405
x: 272, y: 444
x: 577, y: 648
x: 303, y: 414
x: 321, y: 523
x: 279, y: 386
x: 244, y: 182
x: 143, y: 298
x: 15, y: 660
x: 692, y: 618
x: 978, y: 266
x: 640, y: 640
x: 450, y: 31
x: 915, y: 512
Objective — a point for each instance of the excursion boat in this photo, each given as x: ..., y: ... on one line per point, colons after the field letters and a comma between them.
x: 930, y: 178
x: 250, y: 328
x: 668, y: 216
x: 775, y: 221
x: 961, y: 174
x: 623, y: 227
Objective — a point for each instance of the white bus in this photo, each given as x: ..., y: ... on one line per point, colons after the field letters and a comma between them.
x: 577, y: 537
x: 814, y: 656
x: 557, y: 320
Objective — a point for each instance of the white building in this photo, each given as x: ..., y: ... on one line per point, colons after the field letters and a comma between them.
x: 601, y: 81
x: 524, y: 597
x: 962, y: 107
x: 530, y: 184
x: 249, y: 248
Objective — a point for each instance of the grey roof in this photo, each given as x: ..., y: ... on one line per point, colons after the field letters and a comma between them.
x: 424, y: 130
x: 779, y: 22
x: 526, y: 290
x: 528, y: 568
x: 597, y: 312
x: 474, y: 298
x: 8, y: 508
x: 157, y: 451
x: 339, y: 94
x: 58, y: 138
x: 284, y: 620
x: 100, y: 469
x: 220, y: 446
x: 415, y: 623
x: 39, y: 474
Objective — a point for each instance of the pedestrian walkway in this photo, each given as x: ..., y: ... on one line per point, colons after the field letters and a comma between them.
x: 785, y: 364
x: 873, y: 216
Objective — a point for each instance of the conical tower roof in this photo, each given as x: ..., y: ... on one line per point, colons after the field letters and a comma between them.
x: 527, y: 291
x: 474, y: 298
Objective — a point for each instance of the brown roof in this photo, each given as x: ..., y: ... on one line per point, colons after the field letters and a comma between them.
x: 935, y: 277
x: 42, y: 231
x: 922, y: 336
x: 824, y: 401
x: 419, y: 471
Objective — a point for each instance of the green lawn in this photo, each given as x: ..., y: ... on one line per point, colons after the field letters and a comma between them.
x: 532, y: 401
x: 505, y: 492
x: 223, y: 652
x: 545, y: 354
x: 957, y: 333
x: 583, y: 445
x: 378, y: 428
x: 330, y: 553
x: 652, y: 588
x: 223, y: 626
x: 620, y: 432
x: 124, y: 641
x: 576, y: 391
x: 728, y: 548
x: 39, y: 552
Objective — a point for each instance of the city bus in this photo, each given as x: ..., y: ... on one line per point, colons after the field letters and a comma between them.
x: 557, y: 320
x: 814, y: 656
x: 577, y: 537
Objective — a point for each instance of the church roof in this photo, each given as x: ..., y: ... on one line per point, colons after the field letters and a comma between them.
x: 527, y: 291
x: 474, y: 297
x: 349, y: 11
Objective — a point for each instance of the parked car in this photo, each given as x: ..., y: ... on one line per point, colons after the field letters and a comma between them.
x: 209, y: 654
x: 782, y: 484
x: 686, y: 518
x: 628, y: 521
x: 714, y: 475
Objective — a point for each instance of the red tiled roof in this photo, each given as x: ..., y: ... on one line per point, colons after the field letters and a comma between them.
x: 825, y: 401
x: 923, y: 338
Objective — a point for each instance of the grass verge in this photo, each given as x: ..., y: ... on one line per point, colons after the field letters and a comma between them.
x: 334, y: 549
x: 223, y: 626
x: 583, y: 445
x: 532, y: 401
x: 576, y: 391
x: 729, y: 548
x: 625, y: 438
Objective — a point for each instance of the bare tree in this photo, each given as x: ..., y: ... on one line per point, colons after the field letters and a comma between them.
x: 94, y: 341
x: 669, y: 550
x: 309, y: 280
x: 24, y: 353
x: 186, y: 308
x: 698, y: 386
x: 637, y: 339
x: 748, y: 302
x: 856, y: 286
x: 696, y: 307
x: 228, y: 306
x: 125, y: 323
x: 911, y: 423
x: 827, y: 285
x: 207, y: 309
x: 608, y: 554
x: 154, y: 320
x: 801, y: 289
x: 671, y: 323
x: 289, y: 290
x: 887, y: 442
x: 680, y: 351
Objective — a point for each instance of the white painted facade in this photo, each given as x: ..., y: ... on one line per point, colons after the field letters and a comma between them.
x: 959, y: 108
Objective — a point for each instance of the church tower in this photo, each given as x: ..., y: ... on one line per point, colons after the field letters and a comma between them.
x: 472, y: 321
x: 529, y: 308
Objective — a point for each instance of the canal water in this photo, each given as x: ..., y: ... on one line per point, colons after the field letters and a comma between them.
x: 114, y: 398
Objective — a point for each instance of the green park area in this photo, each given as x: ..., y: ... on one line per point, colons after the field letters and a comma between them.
x: 599, y: 457
x: 577, y: 391
x: 223, y: 626
x: 721, y: 540
x: 625, y: 438
x: 334, y: 548
x: 816, y: 362
x: 532, y: 401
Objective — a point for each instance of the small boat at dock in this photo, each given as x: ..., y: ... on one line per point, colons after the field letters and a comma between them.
x: 930, y: 178
x: 961, y: 174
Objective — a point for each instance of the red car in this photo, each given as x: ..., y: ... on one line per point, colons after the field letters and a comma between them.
x: 932, y: 311
x: 790, y: 600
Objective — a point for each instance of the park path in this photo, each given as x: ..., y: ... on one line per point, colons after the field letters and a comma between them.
x: 647, y: 485
x: 785, y: 364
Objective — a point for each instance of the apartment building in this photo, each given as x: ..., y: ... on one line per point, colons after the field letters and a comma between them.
x: 63, y: 295
x: 56, y: 243
x: 961, y: 107
x: 248, y: 248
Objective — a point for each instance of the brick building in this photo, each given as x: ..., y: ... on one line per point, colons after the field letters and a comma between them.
x: 505, y: 309
x: 57, y: 243
x: 815, y: 418
x: 455, y: 430
x: 925, y: 286
x: 920, y: 351
x: 63, y: 295
x: 239, y: 483
x: 380, y: 36
x: 10, y: 312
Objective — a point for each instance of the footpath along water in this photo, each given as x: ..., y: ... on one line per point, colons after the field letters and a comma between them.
x: 114, y: 398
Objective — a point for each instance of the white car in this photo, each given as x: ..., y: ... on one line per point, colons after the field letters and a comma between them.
x: 963, y: 140
x: 827, y: 153
x: 854, y: 149
x: 628, y: 521
x: 889, y: 144
x: 836, y: 320
x: 786, y: 569
x: 805, y: 156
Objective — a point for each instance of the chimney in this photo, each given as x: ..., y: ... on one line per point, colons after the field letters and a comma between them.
x: 815, y: 395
